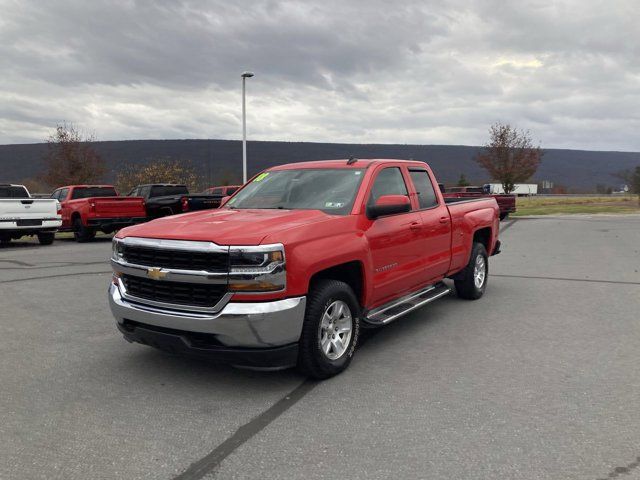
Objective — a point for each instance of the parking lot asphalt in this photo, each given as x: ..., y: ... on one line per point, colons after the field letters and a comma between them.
x: 540, y: 379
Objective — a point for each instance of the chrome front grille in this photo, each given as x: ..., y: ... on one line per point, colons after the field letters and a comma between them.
x: 215, y: 262
x: 172, y: 274
x: 179, y: 293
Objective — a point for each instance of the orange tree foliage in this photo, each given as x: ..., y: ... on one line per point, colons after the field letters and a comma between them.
x: 71, y: 158
x: 509, y: 156
x: 157, y: 171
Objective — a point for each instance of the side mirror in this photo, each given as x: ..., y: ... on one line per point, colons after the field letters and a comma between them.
x: 224, y: 200
x: 389, y: 205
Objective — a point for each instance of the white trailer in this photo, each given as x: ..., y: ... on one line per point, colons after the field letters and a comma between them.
x: 521, y: 189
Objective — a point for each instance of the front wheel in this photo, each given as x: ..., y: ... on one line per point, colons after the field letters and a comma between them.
x: 330, y: 330
x: 472, y: 281
x: 46, y: 238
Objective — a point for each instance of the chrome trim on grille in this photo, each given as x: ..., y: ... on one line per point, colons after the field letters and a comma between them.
x: 267, y: 247
x: 175, y: 307
x: 173, y: 275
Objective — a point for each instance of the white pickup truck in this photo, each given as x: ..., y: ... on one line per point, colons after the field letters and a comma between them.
x: 22, y: 215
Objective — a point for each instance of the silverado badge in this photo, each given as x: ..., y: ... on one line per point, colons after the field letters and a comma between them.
x: 156, y: 273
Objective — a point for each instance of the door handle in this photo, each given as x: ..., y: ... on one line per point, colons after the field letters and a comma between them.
x: 444, y: 219
x: 415, y: 226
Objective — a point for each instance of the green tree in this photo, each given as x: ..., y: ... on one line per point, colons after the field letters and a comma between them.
x: 163, y: 170
x: 635, y: 182
x: 462, y: 181
x: 509, y: 156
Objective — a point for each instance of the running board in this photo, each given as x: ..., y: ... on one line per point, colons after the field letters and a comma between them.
x: 389, y: 312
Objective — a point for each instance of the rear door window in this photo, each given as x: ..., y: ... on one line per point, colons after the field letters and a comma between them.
x: 87, y: 192
x: 426, y: 195
x: 10, y: 191
x: 165, y: 190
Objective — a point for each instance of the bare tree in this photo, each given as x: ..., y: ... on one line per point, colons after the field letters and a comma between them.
x: 509, y: 156
x: 164, y: 170
x: 71, y: 158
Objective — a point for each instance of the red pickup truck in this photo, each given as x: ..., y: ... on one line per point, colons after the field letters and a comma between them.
x: 506, y: 202
x: 87, y: 209
x: 297, y: 261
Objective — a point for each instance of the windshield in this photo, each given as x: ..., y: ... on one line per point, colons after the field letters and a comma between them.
x: 330, y: 190
x: 166, y: 190
x: 87, y: 192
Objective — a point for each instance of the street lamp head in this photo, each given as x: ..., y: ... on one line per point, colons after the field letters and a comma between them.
x: 247, y: 75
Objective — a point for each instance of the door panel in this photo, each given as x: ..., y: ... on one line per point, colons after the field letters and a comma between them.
x: 436, y: 227
x: 395, y: 242
x: 396, y: 253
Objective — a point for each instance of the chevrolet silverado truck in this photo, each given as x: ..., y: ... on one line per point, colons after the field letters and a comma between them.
x: 506, y: 202
x: 163, y: 199
x: 291, y: 268
x: 87, y: 209
x: 21, y: 215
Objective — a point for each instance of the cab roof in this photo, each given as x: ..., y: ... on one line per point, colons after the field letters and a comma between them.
x: 342, y: 163
x: 86, y: 186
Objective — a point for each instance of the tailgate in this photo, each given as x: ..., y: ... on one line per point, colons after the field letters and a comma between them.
x: 505, y: 201
x: 118, y: 206
x: 203, y: 202
x: 28, y: 208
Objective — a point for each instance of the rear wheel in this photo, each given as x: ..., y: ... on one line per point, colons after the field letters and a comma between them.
x: 503, y: 216
x: 46, y: 238
x: 472, y: 281
x: 330, y: 330
x: 82, y: 233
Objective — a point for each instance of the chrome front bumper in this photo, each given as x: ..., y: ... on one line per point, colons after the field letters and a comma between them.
x: 246, y: 325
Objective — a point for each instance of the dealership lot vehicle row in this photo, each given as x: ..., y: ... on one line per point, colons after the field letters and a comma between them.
x: 538, y: 380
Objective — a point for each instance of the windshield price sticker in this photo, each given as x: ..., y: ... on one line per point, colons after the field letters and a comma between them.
x: 261, y: 177
x: 334, y: 204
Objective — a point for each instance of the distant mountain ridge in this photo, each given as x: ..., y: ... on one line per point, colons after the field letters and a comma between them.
x: 580, y: 170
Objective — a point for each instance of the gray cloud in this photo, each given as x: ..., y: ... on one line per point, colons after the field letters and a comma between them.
x: 359, y: 71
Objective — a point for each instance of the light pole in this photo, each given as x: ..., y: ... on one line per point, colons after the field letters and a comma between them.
x: 245, y: 75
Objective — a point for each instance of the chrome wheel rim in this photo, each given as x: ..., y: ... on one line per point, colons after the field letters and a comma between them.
x: 335, y: 330
x: 479, y: 271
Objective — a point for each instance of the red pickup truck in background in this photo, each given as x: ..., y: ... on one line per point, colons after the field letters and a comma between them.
x: 87, y: 209
x: 506, y: 202
x: 297, y: 261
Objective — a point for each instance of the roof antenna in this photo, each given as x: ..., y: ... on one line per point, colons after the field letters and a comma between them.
x: 352, y: 160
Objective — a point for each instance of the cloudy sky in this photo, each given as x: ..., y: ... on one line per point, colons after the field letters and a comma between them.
x: 426, y: 72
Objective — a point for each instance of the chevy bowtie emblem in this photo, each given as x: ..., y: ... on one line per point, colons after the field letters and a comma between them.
x: 156, y: 273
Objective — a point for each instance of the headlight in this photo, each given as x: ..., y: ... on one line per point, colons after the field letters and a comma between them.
x: 116, y: 250
x: 257, y: 269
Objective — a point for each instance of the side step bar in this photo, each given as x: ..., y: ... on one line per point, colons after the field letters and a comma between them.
x: 389, y: 312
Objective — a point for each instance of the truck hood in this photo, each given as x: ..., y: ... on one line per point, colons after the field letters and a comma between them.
x: 225, y: 226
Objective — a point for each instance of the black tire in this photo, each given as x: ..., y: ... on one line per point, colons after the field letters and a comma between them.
x: 82, y: 233
x: 46, y: 238
x: 465, y: 281
x: 503, y: 216
x: 324, y: 296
